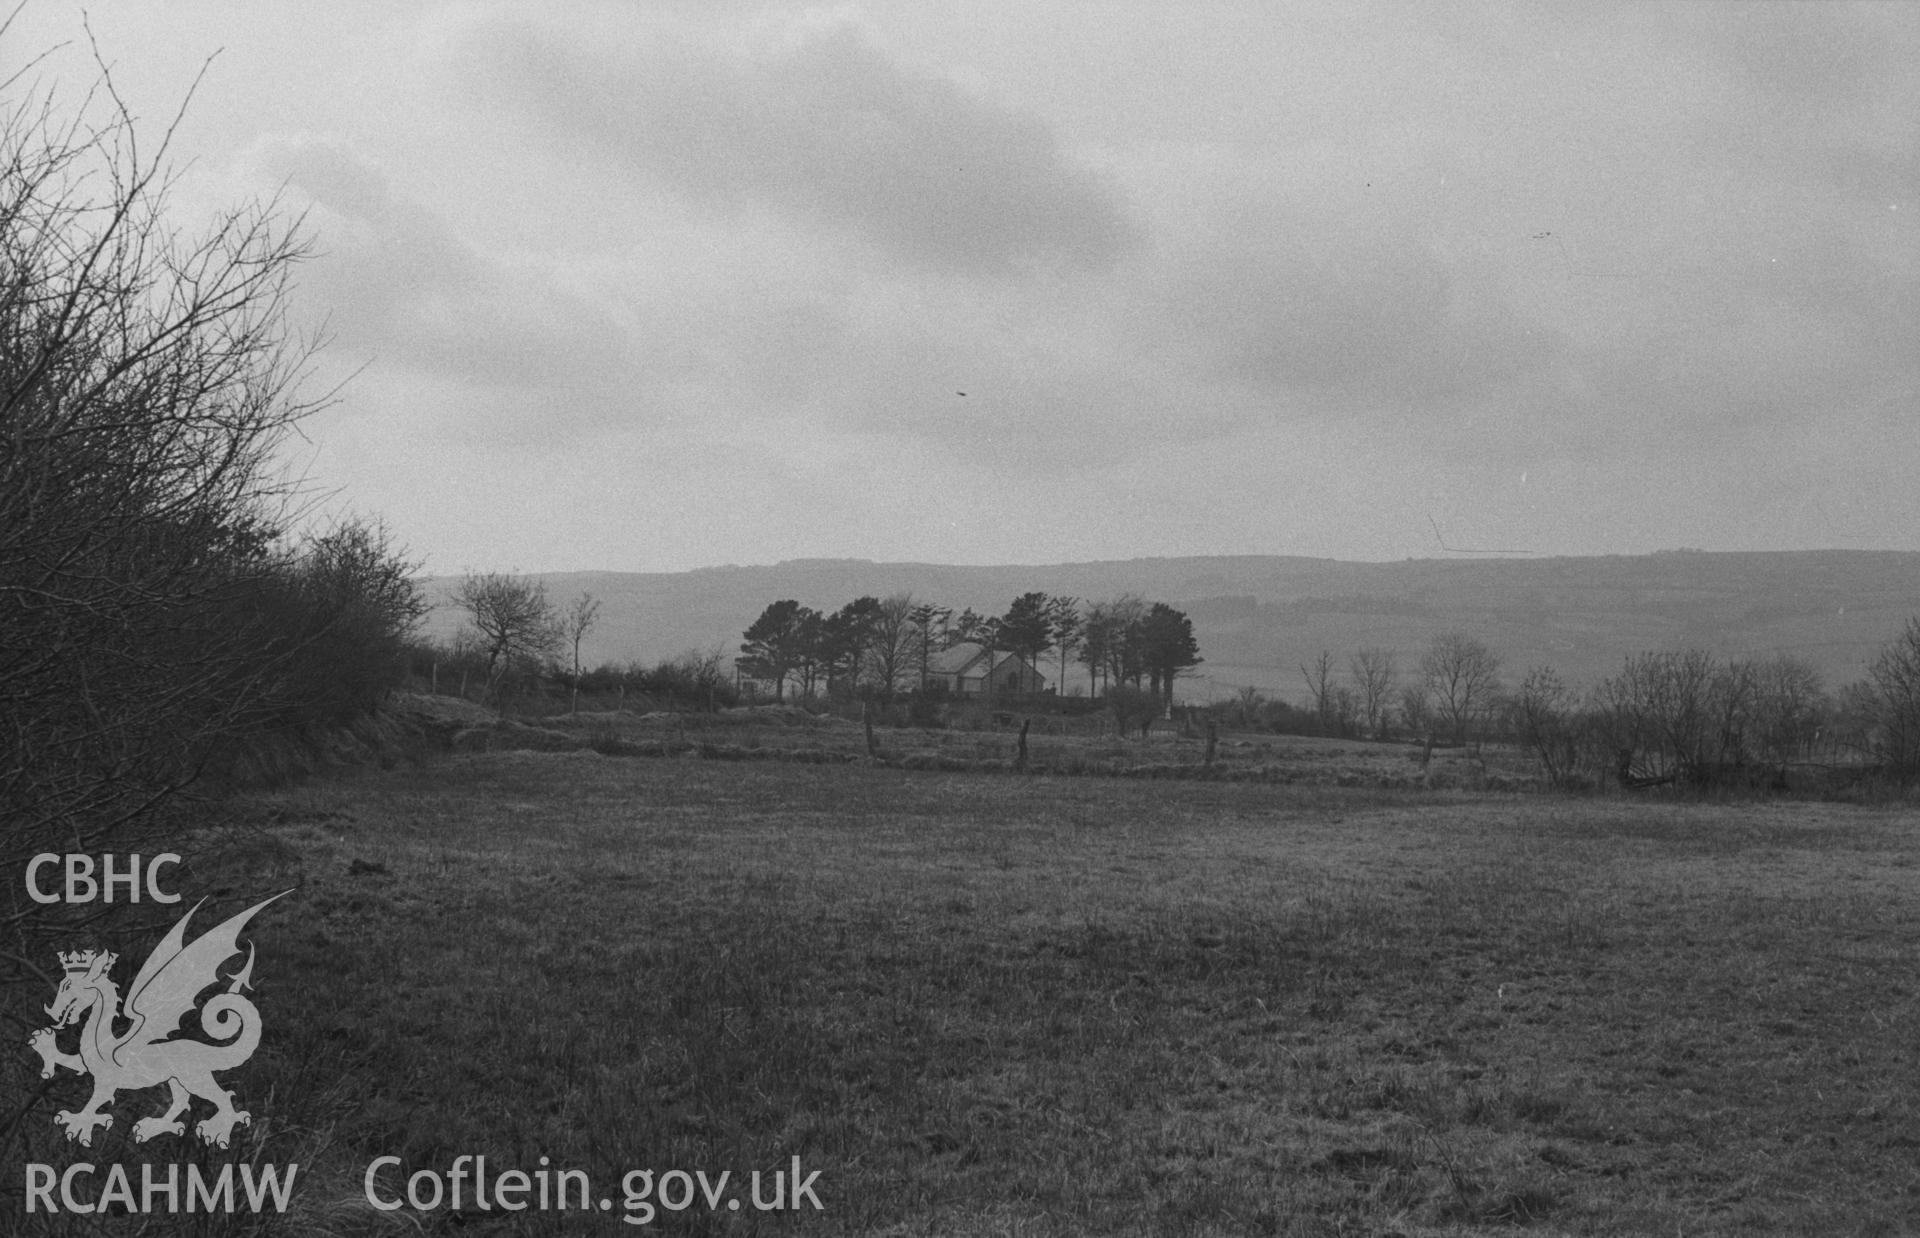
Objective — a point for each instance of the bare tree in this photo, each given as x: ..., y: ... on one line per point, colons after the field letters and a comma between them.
x: 1098, y: 630
x: 1246, y: 706
x: 574, y: 626
x: 1067, y: 628
x: 1462, y: 678
x: 1319, y: 677
x: 893, y: 642
x: 929, y: 636
x: 1659, y: 714
x: 703, y: 666
x: 1547, y: 721
x: 1416, y: 710
x: 1343, y: 706
x: 512, y: 621
x: 1374, y: 673
x: 1848, y: 726
x: 1732, y: 695
x: 1123, y: 644
x: 1789, y: 706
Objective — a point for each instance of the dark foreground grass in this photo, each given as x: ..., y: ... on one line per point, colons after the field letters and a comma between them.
x: 996, y: 1005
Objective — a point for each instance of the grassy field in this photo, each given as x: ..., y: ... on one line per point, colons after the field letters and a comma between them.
x: 987, y: 1004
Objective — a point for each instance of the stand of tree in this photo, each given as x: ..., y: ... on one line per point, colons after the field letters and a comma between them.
x: 876, y: 648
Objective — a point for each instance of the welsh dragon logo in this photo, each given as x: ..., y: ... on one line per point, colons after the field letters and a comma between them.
x: 142, y: 1056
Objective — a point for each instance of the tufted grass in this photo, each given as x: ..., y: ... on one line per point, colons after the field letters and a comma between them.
x: 1053, y: 1006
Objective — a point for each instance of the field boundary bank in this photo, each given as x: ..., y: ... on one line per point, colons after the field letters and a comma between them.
x: 506, y: 735
x: 798, y: 738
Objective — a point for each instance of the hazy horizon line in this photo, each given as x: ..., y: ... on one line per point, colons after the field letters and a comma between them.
x: 1446, y: 557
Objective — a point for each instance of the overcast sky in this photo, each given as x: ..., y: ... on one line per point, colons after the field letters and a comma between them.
x: 652, y: 286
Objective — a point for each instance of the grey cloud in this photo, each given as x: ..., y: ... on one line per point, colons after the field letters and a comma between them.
x: 1825, y: 94
x: 1307, y: 314
x: 1801, y: 52
x: 1336, y: 315
x: 1738, y: 241
x: 395, y: 282
x: 831, y: 131
x: 887, y: 362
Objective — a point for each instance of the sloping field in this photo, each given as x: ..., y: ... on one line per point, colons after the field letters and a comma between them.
x: 990, y: 1004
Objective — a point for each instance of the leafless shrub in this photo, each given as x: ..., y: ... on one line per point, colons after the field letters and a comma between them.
x: 1890, y: 705
x: 146, y: 379
x: 1548, y: 720
x: 350, y: 604
x: 1685, y: 716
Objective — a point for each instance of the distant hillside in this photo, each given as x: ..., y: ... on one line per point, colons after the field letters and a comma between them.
x: 1258, y: 617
